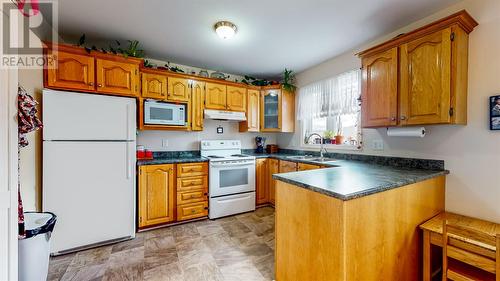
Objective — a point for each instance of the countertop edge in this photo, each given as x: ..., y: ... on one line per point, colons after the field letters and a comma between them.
x: 354, y: 195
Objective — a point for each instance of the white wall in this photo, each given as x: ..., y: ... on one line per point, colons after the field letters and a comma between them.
x: 472, y: 152
x: 190, y: 140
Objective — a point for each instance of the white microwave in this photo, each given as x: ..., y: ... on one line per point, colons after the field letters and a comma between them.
x: 164, y: 113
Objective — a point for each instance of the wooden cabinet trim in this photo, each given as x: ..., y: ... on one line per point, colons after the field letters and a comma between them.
x: 461, y: 18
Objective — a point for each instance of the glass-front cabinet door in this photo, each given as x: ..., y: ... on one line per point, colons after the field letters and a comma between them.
x: 271, y: 108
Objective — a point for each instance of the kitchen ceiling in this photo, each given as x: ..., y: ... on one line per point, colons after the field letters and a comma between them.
x: 271, y: 35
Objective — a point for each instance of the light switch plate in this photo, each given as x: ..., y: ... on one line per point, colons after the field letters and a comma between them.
x: 377, y: 144
x: 164, y: 143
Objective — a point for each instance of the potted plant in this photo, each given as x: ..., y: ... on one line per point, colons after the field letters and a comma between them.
x: 328, y: 136
x: 339, y: 138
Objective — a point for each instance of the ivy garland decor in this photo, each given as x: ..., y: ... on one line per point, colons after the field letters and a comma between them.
x: 132, y: 50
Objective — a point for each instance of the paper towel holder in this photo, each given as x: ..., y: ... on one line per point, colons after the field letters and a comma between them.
x: 418, y: 132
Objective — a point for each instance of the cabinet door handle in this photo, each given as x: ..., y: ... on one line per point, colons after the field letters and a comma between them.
x: 393, y: 118
x: 91, y: 83
x: 403, y: 117
x: 100, y: 85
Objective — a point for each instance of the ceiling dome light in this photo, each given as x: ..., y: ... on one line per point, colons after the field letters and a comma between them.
x: 225, y: 29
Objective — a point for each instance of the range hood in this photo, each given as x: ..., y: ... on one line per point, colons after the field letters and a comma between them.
x: 225, y: 115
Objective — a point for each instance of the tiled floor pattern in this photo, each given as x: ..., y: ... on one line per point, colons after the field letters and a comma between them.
x: 240, y: 247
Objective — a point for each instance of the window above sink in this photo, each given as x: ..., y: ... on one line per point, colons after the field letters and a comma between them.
x: 331, y: 108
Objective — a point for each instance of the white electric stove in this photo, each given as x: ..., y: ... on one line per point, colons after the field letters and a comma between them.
x: 231, y: 178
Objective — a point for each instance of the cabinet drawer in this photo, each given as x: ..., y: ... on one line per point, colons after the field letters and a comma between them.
x: 192, y: 211
x: 192, y: 196
x: 286, y: 166
x: 305, y: 167
x: 192, y: 169
x: 192, y: 183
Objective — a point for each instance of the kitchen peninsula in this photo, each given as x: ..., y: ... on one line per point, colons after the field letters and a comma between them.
x: 356, y: 221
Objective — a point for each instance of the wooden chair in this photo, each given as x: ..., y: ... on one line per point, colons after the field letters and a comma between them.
x: 469, y: 254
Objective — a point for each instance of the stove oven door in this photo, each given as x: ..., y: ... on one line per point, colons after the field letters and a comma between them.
x: 231, y: 177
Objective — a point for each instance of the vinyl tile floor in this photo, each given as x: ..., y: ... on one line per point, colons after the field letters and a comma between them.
x: 239, y: 247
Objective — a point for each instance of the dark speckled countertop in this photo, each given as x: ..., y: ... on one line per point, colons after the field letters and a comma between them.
x: 350, y: 176
x: 354, y: 179
x: 171, y: 160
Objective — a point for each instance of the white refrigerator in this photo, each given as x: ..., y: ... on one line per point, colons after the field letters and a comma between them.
x: 88, y: 168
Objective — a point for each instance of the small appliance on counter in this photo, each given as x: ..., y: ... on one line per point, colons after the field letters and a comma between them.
x: 144, y: 154
x: 272, y: 148
x: 260, y: 142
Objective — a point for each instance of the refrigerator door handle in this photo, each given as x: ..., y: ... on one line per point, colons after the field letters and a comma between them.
x: 129, y: 165
x: 128, y: 122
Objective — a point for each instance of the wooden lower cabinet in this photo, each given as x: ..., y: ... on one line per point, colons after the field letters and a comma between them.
x: 170, y: 193
x: 287, y: 166
x: 273, y: 168
x: 192, y: 169
x: 261, y: 181
x: 156, y: 194
x: 377, y: 234
x: 192, y: 211
x: 305, y: 167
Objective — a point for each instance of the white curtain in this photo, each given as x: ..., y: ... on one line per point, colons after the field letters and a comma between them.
x: 331, y: 97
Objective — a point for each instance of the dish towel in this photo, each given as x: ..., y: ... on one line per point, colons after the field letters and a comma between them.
x: 27, y: 122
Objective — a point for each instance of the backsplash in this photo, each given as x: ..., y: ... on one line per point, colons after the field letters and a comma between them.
x: 186, y: 141
x: 427, y: 164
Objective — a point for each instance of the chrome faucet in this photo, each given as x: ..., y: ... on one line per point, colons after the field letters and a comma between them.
x: 322, y: 148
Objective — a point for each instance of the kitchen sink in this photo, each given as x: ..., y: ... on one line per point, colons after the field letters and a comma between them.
x: 312, y: 158
x: 302, y: 157
x: 325, y: 159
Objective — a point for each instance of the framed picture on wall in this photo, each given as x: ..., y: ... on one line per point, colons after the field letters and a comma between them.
x: 495, y: 112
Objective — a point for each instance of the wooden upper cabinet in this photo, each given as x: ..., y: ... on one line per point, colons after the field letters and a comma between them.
x: 270, y: 114
x: 215, y: 96
x: 431, y: 87
x: 197, y: 100
x: 277, y: 110
x: 178, y: 89
x: 154, y: 86
x: 380, y: 89
x: 156, y: 194
x: 70, y: 71
x: 236, y: 98
x: 426, y: 79
x: 253, y: 112
x: 261, y: 181
x: 116, y: 77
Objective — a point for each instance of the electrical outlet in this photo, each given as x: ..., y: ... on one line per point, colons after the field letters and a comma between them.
x: 164, y: 143
x: 377, y: 144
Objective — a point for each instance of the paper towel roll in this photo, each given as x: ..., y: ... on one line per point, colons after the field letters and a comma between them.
x: 416, y: 132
